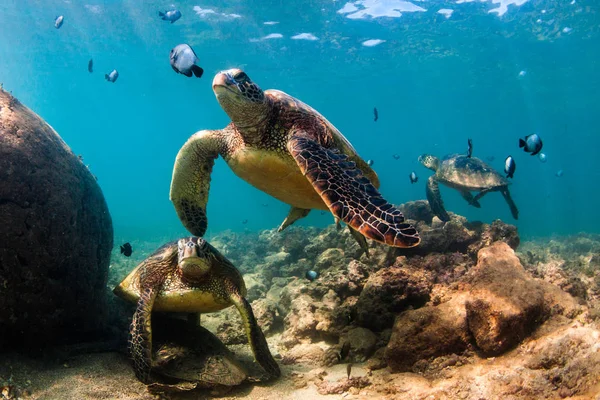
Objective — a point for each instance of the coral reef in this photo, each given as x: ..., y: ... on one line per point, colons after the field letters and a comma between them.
x: 465, y: 316
x: 55, y: 235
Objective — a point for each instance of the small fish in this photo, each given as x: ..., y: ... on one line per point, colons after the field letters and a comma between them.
x: 509, y: 166
x: 349, y: 370
x: 265, y: 204
x: 542, y: 157
x: 370, y: 162
x: 375, y: 114
x: 413, y: 177
x: 559, y: 173
x: 311, y: 275
x: 91, y: 66
x: 531, y: 144
x: 183, y: 61
x: 469, y: 148
x: 58, y: 21
x: 396, y: 157
x: 344, y: 351
x: 126, y: 249
x: 245, y: 221
x: 112, y: 77
x: 171, y: 15
x: 490, y: 158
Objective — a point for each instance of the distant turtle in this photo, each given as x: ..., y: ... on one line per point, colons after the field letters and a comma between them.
x: 287, y: 149
x: 188, y: 276
x: 464, y: 174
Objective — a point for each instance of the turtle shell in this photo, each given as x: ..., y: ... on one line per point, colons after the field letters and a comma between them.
x: 187, y: 357
x: 462, y: 172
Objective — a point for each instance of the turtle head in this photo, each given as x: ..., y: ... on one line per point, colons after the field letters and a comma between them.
x: 194, y: 259
x: 429, y: 161
x: 242, y: 99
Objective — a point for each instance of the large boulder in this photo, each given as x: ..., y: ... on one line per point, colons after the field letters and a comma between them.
x: 505, y: 303
x: 55, y: 234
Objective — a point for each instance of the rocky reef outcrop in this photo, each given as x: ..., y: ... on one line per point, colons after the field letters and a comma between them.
x: 55, y: 234
x: 441, y: 309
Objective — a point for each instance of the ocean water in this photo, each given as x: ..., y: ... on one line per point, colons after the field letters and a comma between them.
x: 438, y: 72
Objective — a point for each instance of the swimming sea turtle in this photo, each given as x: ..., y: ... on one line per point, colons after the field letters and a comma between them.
x: 287, y: 149
x: 464, y: 174
x: 188, y: 276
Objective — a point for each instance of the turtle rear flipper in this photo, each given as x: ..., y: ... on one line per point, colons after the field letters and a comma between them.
x: 470, y: 199
x: 256, y: 338
x: 350, y: 195
x: 435, y: 199
x: 191, y: 179
x: 513, y: 207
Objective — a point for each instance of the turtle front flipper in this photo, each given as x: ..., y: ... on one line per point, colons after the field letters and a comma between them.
x: 191, y: 179
x: 513, y: 207
x: 435, y: 199
x: 140, y: 343
x: 350, y: 195
x: 256, y: 338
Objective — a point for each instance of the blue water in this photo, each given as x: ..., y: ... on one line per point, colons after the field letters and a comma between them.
x: 436, y: 81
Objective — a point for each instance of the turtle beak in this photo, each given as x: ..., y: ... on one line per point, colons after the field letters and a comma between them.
x: 223, y: 79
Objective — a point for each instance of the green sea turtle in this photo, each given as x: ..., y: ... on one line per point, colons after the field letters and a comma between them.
x: 188, y: 276
x: 186, y: 356
x: 464, y: 174
x: 287, y: 149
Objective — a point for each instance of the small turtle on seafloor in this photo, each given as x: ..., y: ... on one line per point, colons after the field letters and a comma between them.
x: 287, y: 149
x: 188, y: 276
x: 464, y: 174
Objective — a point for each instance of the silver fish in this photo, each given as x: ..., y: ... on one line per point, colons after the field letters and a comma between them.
x: 531, y: 144
x: 171, y: 15
x: 509, y: 166
x: 58, y: 21
x: 183, y: 61
x: 112, y: 77
x: 413, y: 177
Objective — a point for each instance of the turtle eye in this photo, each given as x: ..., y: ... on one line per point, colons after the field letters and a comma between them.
x: 241, y: 77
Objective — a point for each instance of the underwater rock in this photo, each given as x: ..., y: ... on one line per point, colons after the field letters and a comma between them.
x: 256, y: 285
x: 505, y: 304
x: 389, y: 291
x: 361, y: 342
x: 428, y: 332
x: 56, y: 234
x: 305, y: 353
x: 418, y: 210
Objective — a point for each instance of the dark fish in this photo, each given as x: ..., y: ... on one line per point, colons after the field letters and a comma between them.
x: 265, y: 204
x: 126, y: 249
x: 559, y: 173
x: 396, y: 157
x: 469, y: 148
x: 413, y: 177
x: 171, y: 15
x: 311, y: 275
x: 370, y: 162
x: 58, y: 21
x: 245, y: 221
x: 91, y: 66
x: 344, y: 351
x: 348, y: 370
x: 375, y: 114
x: 509, y: 166
x: 531, y: 144
x: 183, y: 61
x: 112, y: 77
x: 490, y: 158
